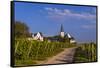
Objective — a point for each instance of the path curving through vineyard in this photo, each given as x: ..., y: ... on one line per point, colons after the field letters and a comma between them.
x: 64, y: 57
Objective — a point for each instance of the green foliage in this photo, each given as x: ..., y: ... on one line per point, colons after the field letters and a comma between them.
x: 24, y: 62
x: 61, y: 39
x: 86, y: 53
x: 36, y: 50
x: 21, y: 29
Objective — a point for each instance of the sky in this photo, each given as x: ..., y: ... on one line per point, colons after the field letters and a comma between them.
x: 78, y: 21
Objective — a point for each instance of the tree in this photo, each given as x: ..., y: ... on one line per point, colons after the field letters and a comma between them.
x: 61, y: 39
x: 21, y: 30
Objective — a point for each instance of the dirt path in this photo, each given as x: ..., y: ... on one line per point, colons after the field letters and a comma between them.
x: 64, y: 57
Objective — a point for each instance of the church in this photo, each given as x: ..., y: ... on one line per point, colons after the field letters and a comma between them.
x: 62, y: 37
x: 66, y: 35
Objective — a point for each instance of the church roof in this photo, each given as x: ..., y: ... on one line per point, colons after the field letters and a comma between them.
x: 67, y: 35
x: 37, y: 33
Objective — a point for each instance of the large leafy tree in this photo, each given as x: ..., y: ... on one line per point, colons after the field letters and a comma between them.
x: 21, y: 30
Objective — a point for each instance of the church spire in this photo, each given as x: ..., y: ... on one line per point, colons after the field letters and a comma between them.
x: 62, y: 30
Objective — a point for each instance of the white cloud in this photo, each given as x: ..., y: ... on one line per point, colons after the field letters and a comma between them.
x: 50, y: 9
x: 62, y: 14
x: 89, y: 26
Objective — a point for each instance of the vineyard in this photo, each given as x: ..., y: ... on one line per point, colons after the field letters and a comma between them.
x: 86, y: 53
x: 29, y: 52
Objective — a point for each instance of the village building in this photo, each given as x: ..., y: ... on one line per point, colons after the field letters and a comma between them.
x: 36, y: 36
x: 57, y: 38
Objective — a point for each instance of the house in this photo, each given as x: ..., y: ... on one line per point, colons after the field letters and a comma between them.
x: 38, y: 36
x: 72, y: 40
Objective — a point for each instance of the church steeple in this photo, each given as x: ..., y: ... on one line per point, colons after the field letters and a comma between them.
x: 62, y: 31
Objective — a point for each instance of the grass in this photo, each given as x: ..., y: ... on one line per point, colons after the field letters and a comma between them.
x: 24, y: 62
x: 86, y: 53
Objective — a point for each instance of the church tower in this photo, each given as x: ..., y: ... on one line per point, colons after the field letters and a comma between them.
x: 62, y: 31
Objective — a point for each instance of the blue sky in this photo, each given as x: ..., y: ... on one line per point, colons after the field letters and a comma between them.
x: 79, y: 21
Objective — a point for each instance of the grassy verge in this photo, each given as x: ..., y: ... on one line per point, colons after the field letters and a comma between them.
x: 86, y: 53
